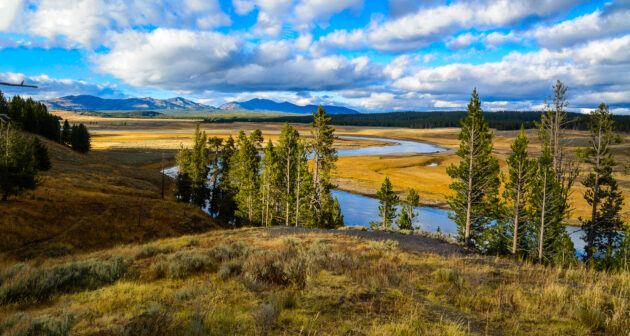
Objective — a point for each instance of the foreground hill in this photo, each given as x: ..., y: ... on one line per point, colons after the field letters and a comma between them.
x: 93, y: 103
x: 287, y: 281
x: 90, y: 201
x: 270, y: 105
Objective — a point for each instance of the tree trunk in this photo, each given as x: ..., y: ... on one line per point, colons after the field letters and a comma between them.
x: 591, y: 230
x: 542, y: 219
x: 470, y: 172
x: 288, y: 187
x: 297, y: 195
x: 517, y: 206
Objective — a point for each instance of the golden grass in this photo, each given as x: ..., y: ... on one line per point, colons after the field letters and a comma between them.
x: 90, y: 201
x: 352, y: 286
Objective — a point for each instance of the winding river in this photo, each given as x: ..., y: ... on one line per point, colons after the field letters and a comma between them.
x: 359, y: 210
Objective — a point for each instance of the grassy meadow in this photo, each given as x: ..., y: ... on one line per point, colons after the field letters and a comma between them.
x: 259, y: 281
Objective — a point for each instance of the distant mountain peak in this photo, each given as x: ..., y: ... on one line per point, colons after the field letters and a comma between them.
x: 93, y: 103
x: 261, y: 104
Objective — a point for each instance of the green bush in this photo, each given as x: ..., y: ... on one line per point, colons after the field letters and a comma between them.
x: 225, y: 252
x: 148, y: 251
x: 267, y: 267
x: 40, y: 284
x: 450, y: 276
x: 186, y: 263
x: 156, y: 321
x: 265, y: 316
x: 230, y: 268
x: 23, y: 324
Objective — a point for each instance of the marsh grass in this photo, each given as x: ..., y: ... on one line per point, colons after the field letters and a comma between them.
x: 251, y: 282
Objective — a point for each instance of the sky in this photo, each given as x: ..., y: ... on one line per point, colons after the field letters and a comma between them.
x: 374, y: 56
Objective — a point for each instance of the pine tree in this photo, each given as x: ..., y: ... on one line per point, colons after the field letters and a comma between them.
x: 65, y: 133
x: 304, y: 189
x: 227, y: 191
x: 287, y: 154
x: 552, y: 241
x: 245, y: 168
x: 80, y: 138
x: 407, y: 214
x: 270, y: 180
x: 476, y: 178
x: 388, y: 201
x: 517, y: 185
x: 199, y: 169
x: 602, y: 193
x: 183, y: 181
x: 324, y: 158
x: 42, y: 159
x: 214, y: 147
x: 18, y: 170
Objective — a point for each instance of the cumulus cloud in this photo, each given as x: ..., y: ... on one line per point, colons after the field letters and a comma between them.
x: 461, y: 41
x: 88, y: 21
x: 8, y: 11
x: 49, y: 88
x: 524, y: 76
x: 308, y: 11
x: 187, y: 60
x: 612, y: 20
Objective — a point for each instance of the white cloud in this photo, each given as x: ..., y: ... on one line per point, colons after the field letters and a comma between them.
x: 495, y: 39
x: 607, y: 23
x: 8, y: 11
x: 220, y: 62
x: 49, y: 88
x: 89, y: 21
x: 461, y: 41
x: 308, y: 11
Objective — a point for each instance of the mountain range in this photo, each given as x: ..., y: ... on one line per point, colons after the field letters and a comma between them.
x: 93, y: 103
x: 258, y: 104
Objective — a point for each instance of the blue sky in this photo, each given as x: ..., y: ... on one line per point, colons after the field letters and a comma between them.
x: 369, y: 55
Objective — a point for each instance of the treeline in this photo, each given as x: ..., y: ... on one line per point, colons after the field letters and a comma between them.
x: 504, y: 120
x: 528, y: 219
x: 245, y: 183
x: 31, y: 116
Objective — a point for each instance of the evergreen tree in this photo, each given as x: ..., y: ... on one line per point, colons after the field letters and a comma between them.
x: 245, y: 168
x: 18, y: 170
x: 183, y: 182
x: 476, y: 178
x: 621, y: 256
x: 517, y: 185
x: 287, y: 154
x: 227, y: 191
x: 407, y: 214
x: 552, y: 241
x: 42, y: 159
x: 65, y: 133
x: 270, y: 180
x: 602, y: 192
x: 304, y: 189
x: 199, y: 169
x: 388, y: 201
x: 214, y: 147
x: 80, y: 138
x: 324, y: 158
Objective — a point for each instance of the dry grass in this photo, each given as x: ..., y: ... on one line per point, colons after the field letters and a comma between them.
x: 252, y: 282
x: 90, y: 201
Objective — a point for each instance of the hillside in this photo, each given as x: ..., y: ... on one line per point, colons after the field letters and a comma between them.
x: 91, y: 201
x: 270, y: 105
x: 93, y: 103
x: 293, y: 281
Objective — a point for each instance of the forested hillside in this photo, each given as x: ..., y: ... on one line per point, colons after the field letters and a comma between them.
x: 504, y: 120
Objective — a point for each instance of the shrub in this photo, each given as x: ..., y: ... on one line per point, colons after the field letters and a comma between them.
x: 265, y: 316
x: 225, y: 252
x: 185, y: 263
x: 155, y: 321
x: 160, y: 269
x: 272, y: 268
x: 230, y: 268
x: 148, y: 251
x: 292, y: 242
x: 37, y: 285
x: 23, y: 324
x: 387, y: 245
